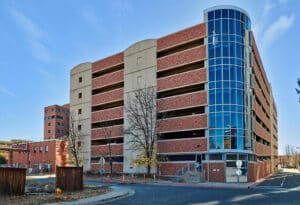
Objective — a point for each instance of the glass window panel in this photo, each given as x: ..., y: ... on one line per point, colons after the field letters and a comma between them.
x: 233, y: 93
x: 218, y: 96
x: 218, y: 14
x: 240, y: 132
x: 212, y: 97
x: 238, y: 27
x: 238, y: 51
x: 242, y: 17
x: 212, y: 108
x: 239, y: 97
x: 225, y: 49
x: 226, y: 108
x: 219, y: 132
x: 218, y: 51
x: 218, y: 61
x: 240, y: 121
x: 239, y: 74
x: 232, y: 50
x: 210, y: 27
x: 226, y: 96
x: 211, y: 62
x: 226, y: 122
x: 212, y: 143
x: 219, y: 108
x: 227, y: 142
x: 225, y: 72
x: 231, y: 13
x: 233, y: 119
x: 226, y: 84
x: 231, y: 26
x: 247, y: 24
x: 219, y: 120
x: 233, y: 108
x: 211, y: 15
x: 233, y: 142
x: 224, y: 13
x: 240, y: 85
x: 218, y: 27
x: 237, y: 15
x: 218, y: 73
x: 219, y: 143
x: 211, y: 52
x: 210, y: 40
x: 232, y: 38
x: 226, y: 61
x: 240, y: 143
x: 233, y: 84
x: 239, y: 39
x: 225, y: 26
x: 232, y: 73
x: 219, y: 85
x: 212, y: 120
x: 212, y: 132
x: 225, y: 38
x: 212, y: 85
x: 239, y: 108
x: 232, y: 60
x: 212, y: 75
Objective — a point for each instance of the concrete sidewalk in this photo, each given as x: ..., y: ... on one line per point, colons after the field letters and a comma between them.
x: 118, y: 192
x: 179, y: 184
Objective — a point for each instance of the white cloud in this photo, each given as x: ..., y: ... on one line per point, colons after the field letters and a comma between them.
x: 269, y: 5
x: 276, y: 29
x: 35, y: 36
x: 5, y: 91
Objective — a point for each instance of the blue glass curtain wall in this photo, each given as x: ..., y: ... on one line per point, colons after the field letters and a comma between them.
x: 227, y: 69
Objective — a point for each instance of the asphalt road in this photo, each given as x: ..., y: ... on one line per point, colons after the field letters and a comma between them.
x: 269, y: 192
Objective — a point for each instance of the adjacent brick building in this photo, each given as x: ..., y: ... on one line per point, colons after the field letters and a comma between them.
x: 56, y: 121
x: 211, y: 83
x: 41, y: 156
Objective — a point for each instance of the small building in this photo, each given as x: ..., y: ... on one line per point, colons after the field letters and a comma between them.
x: 56, y: 121
x: 41, y: 156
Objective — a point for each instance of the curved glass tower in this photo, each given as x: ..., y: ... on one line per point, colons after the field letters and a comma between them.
x: 229, y: 85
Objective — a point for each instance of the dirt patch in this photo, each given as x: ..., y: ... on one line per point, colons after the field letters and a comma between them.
x: 42, y: 198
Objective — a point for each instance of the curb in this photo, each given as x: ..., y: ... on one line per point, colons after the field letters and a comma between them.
x: 117, y: 193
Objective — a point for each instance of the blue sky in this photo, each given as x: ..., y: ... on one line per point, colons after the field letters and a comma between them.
x: 42, y: 40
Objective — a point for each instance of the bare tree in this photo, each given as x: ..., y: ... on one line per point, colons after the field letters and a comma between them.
x: 107, y: 131
x: 143, y: 126
x: 298, y: 89
x: 74, y: 140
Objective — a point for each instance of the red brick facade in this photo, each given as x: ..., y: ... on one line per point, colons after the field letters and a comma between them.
x: 42, y: 156
x: 56, y: 121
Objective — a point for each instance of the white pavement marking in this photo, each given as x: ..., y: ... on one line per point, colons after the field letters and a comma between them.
x: 281, y: 185
x: 243, y: 198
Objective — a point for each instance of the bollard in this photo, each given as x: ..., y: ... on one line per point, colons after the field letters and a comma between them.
x: 58, y: 193
x: 123, y: 179
x: 132, y: 179
x: 108, y: 179
x: 154, y: 177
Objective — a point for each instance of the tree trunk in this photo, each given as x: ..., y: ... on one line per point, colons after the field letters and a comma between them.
x: 148, y: 170
x: 110, y: 164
